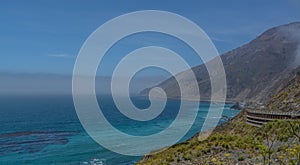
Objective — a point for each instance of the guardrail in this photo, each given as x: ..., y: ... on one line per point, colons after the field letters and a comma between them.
x: 259, y: 118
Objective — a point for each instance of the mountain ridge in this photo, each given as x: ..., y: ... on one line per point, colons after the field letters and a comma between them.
x: 253, y: 71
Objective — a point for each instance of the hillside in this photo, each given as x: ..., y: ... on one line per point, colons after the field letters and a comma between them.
x: 236, y: 142
x: 288, y: 98
x: 254, y: 71
x: 277, y: 142
x: 263, y: 70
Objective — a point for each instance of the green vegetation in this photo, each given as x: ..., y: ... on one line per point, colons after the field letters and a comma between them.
x: 278, y: 142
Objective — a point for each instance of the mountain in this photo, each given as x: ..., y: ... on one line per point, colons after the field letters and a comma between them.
x: 269, y: 73
x: 236, y: 142
x: 287, y: 99
x: 254, y: 71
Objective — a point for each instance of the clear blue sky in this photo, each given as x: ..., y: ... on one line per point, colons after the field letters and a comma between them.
x: 45, y: 36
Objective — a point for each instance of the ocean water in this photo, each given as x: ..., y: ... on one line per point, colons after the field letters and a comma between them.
x: 46, y: 130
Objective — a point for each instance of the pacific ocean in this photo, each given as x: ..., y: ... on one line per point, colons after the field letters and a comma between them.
x: 46, y: 130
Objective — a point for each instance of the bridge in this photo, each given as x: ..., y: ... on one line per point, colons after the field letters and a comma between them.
x: 259, y: 118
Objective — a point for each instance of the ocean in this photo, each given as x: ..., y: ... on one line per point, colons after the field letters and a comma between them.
x: 46, y: 130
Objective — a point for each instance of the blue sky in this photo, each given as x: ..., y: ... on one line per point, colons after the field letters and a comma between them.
x: 46, y: 36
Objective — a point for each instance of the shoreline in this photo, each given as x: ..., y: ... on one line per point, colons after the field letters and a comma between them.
x: 199, y: 135
x: 227, y: 101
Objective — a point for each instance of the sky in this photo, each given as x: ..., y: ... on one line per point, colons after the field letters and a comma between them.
x: 44, y: 37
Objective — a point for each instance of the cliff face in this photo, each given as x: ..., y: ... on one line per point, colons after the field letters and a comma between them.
x: 288, y: 97
x: 253, y: 71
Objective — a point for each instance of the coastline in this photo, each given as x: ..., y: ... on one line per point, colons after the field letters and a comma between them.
x: 200, y: 136
x: 193, y: 99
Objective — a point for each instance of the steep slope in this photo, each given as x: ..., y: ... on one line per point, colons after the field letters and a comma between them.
x: 288, y: 97
x: 253, y: 70
x: 236, y: 142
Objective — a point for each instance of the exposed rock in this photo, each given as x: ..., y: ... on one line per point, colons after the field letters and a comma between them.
x: 237, y: 106
x: 254, y: 71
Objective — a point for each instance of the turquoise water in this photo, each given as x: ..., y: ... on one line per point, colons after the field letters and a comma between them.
x: 46, y: 130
